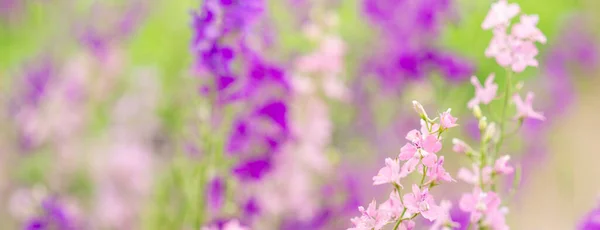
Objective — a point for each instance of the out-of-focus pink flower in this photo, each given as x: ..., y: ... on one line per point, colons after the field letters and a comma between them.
x: 500, y: 14
x: 234, y: 225
x: 438, y: 173
x: 231, y: 225
x: 501, y: 166
x: 444, y: 222
x: 473, y: 177
x: 527, y: 29
x: 371, y: 218
x: 447, y: 120
x: 479, y: 203
x: 420, y: 201
x: 525, y: 109
x: 483, y: 94
x: 516, y: 50
x: 495, y: 219
x: 460, y: 146
x: 524, y: 53
x: 388, y: 174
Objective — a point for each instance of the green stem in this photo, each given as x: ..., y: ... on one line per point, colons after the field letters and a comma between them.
x: 423, y: 177
x: 400, y: 219
x: 507, y: 94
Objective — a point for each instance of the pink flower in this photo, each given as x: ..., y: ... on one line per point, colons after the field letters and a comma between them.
x: 473, y: 177
x: 495, y: 219
x: 370, y: 219
x: 407, y: 225
x: 460, y: 146
x: 483, y: 94
x: 511, y: 51
x: 234, y: 225
x: 527, y: 29
x: 447, y: 120
x: 231, y: 225
x: 524, y: 108
x: 388, y: 174
x: 524, y: 53
x: 479, y: 203
x: 428, y: 129
x: 501, y: 166
x: 438, y: 173
x: 444, y: 222
x: 500, y: 14
x: 393, y: 206
x: 420, y: 201
x: 500, y: 47
x: 419, y: 149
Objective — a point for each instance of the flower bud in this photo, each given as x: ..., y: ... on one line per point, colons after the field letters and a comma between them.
x: 490, y: 132
x: 483, y: 123
x: 420, y: 110
x: 477, y: 112
x: 460, y: 146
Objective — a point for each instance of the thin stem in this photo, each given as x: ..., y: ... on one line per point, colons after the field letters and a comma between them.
x: 400, y: 219
x: 423, y: 177
x: 504, y: 109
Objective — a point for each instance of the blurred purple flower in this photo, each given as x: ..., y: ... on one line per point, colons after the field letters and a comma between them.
x: 252, y: 169
x: 409, y: 29
x: 591, y: 221
x: 54, y: 216
x: 215, y: 194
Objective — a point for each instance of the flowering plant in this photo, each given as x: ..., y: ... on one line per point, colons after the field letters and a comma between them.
x: 515, y: 52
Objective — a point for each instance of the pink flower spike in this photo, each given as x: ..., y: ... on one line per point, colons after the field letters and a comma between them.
x: 527, y: 29
x: 500, y: 14
x: 447, y: 120
x: 388, y: 174
x: 438, y: 173
x: 483, y: 94
x: 501, y: 166
x: 525, y: 109
x: 420, y: 201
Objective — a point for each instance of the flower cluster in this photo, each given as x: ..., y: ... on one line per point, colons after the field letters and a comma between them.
x: 419, y: 154
x: 483, y: 203
x: 516, y: 50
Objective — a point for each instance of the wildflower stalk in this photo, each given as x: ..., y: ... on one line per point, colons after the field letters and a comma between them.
x: 507, y: 94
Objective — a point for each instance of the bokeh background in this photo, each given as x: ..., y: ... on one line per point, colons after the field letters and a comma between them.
x: 106, y: 121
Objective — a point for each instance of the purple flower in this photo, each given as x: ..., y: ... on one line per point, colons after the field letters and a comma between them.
x: 53, y: 216
x: 408, y: 31
x: 216, y: 194
x: 252, y: 169
x: 591, y: 221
